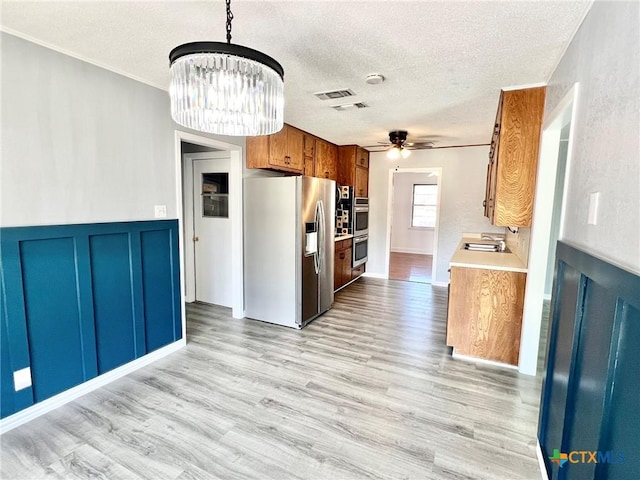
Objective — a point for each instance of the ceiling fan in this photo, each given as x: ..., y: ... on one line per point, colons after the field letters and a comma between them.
x: 398, y: 146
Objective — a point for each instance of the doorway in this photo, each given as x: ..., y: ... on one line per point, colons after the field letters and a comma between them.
x: 209, y: 197
x: 208, y: 226
x: 413, y: 221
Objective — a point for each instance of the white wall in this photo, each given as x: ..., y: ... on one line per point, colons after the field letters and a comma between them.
x: 604, y: 57
x: 463, y: 180
x: 404, y: 238
x: 81, y: 144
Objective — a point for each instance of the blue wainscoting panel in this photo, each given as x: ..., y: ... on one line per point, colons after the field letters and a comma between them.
x: 112, y: 300
x: 590, y: 395
x: 585, y: 400
x: 621, y: 425
x: 80, y: 300
x: 559, y: 359
x: 162, y: 318
x: 53, y: 315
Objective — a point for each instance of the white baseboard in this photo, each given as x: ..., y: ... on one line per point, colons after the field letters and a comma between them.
x: 468, y: 358
x: 374, y: 275
x: 40, y: 408
x: 543, y: 468
x: 440, y: 284
x: 411, y: 250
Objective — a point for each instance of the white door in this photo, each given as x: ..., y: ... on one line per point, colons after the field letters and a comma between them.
x: 212, y: 231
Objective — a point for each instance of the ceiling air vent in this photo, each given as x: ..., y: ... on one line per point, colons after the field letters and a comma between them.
x: 333, y: 94
x: 349, y: 106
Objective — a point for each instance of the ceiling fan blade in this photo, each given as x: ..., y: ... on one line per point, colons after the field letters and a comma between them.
x: 379, y: 145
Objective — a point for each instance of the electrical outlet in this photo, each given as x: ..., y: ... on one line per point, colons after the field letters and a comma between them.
x: 594, y: 203
x: 22, y: 379
x: 161, y: 211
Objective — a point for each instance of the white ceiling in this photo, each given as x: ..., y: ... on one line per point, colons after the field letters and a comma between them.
x: 445, y: 62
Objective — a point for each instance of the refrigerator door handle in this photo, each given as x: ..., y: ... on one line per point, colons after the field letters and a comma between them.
x: 321, y: 235
x: 316, y: 255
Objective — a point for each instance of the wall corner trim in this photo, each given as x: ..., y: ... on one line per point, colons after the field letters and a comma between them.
x: 39, y: 409
x: 539, y: 456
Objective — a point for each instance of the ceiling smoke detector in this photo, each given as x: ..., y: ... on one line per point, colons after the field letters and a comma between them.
x: 374, y: 79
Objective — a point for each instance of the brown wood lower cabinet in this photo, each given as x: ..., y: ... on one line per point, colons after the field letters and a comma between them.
x: 342, y: 265
x: 485, y: 313
x: 357, y: 271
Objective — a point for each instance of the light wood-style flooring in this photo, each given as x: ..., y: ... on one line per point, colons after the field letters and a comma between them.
x: 411, y: 267
x: 367, y: 391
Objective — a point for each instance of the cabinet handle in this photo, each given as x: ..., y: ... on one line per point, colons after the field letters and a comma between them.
x: 484, y: 203
x: 342, y: 256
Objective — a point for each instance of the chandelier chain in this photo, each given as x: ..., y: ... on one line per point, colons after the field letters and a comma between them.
x: 229, y: 19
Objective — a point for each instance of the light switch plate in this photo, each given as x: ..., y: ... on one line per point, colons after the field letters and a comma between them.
x: 594, y: 203
x: 22, y: 378
x: 161, y: 211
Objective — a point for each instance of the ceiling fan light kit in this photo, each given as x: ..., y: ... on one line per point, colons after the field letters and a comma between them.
x: 398, y: 139
x: 226, y: 89
x: 395, y: 153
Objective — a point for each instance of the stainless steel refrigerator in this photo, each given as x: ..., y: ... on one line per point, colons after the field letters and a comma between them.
x: 288, y: 248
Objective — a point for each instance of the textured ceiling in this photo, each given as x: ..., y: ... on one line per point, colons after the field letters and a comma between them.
x: 445, y: 62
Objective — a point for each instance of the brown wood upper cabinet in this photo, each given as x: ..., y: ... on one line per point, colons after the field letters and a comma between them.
x: 513, y: 158
x: 309, y: 154
x: 353, y: 169
x: 283, y: 151
x: 326, y: 159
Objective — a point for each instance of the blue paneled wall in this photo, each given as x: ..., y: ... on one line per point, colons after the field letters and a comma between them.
x: 79, y: 300
x: 591, y: 392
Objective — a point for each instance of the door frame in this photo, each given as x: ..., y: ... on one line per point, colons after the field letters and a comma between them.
x: 564, y: 112
x: 436, y: 230
x: 189, y: 218
x: 236, y: 155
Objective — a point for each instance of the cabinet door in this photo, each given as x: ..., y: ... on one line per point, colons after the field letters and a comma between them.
x: 516, y: 157
x: 326, y: 159
x: 485, y: 313
x: 357, y: 271
x: 346, y: 265
x: 309, y: 154
x: 346, y: 165
x: 278, y: 151
x: 362, y: 182
x: 337, y: 269
x: 295, y: 145
x: 258, y: 152
x: 362, y: 158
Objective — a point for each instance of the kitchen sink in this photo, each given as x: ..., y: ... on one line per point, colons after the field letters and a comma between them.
x: 485, y: 247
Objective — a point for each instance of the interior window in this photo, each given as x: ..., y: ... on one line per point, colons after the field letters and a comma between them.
x: 424, y: 206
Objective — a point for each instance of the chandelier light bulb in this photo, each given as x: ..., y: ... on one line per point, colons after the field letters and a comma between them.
x: 393, y: 154
x: 405, y: 153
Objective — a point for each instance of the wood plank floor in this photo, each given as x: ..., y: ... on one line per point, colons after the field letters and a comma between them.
x: 411, y: 267
x: 368, y: 390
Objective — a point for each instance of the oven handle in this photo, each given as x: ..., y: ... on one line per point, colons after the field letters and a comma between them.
x: 361, y: 209
x: 361, y: 239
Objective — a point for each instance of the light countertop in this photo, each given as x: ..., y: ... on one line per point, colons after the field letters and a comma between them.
x: 343, y: 237
x: 489, y: 260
